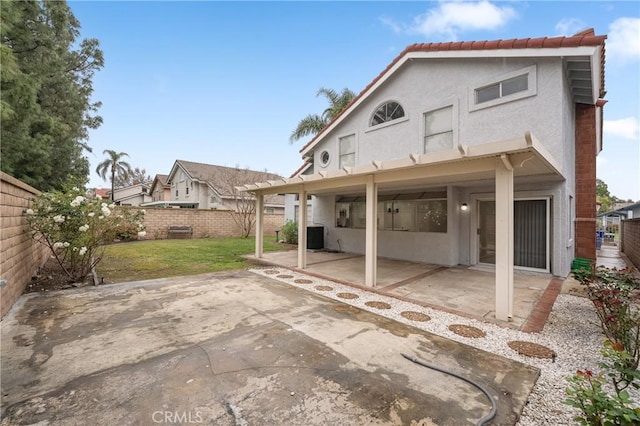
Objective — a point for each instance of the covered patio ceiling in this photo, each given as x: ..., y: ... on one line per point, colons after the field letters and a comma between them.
x: 501, y: 162
x: 465, y: 165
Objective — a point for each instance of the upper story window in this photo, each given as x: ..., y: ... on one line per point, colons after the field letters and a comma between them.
x: 502, y: 89
x: 387, y: 112
x: 438, y: 130
x: 347, y: 151
x: 508, y: 87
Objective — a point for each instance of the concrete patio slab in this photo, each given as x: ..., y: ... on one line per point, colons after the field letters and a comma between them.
x: 467, y: 291
x: 235, y: 348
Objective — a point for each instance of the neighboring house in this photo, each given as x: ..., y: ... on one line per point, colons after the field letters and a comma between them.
x: 207, y: 186
x: 103, y: 193
x: 463, y: 153
x: 610, y: 221
x: 160, y: 189
x: 618, y: 206
x: 626, y: 211
x: 133, y: 195
x: 633, y: 211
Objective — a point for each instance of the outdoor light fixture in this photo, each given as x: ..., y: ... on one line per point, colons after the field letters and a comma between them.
x: 464, y: 207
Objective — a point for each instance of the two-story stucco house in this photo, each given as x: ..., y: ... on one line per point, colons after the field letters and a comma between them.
x: 463, y: 153
x: 208, y: 186
x: 132, y: 195
x: 160, y: 189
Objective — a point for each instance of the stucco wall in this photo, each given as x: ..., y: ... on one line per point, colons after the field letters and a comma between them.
x: 205, y: 223
x: 20, y: 256
x: 427, y: 85
x: 423, y: 86
x: 630, y: 240
x: 432, y: 247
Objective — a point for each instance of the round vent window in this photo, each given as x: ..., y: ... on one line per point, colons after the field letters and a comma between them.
x: 324, y: 158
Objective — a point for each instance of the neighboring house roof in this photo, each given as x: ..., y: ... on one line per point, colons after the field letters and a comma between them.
x: 613, y: 213
x: 160, y: 180
x: 622, y: 211
x: 536, y: 47
x: 103, y: 192
x: 223, y: 179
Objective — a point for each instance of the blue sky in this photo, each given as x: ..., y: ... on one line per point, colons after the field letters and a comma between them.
x: 226, y: 82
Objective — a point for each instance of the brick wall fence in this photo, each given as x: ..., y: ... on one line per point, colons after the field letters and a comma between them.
x: 20, y: 256
x: 205, y: 223
x: 630, y: 240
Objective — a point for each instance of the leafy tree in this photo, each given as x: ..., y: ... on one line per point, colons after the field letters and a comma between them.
x: 136, y: 176
x: 241, y: 205
x: 312, y: 124
x: 116, y: 166
x: 46, y: 83
x: 604, y: 197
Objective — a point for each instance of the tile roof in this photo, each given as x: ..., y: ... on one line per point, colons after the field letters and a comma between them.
x: 103, y: 192
x: 303, y: 166
x: 583, y: 38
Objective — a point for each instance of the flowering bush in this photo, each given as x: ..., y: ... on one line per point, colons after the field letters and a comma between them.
x: 603, y: 397
x: 76, y: 228
x: 587, y: 391
x: 611, y: 291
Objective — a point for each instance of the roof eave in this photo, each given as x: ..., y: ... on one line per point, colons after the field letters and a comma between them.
x: 589, y: 50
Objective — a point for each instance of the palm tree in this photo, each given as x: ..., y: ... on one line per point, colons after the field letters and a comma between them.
x: 115, y: 165
x: 312, y: 124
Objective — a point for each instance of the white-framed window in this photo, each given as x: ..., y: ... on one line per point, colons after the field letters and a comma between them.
x: 508, y: 87
x: 419, y: 212
x: 432, y: 215
x: 347, y: 151
x: 388, y: 111
x: 438, y: 130
x: 571, y: 220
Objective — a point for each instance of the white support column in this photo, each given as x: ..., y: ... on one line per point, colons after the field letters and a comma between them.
x: 504, y: 239
x: 259, y: 224
x: 371, y: 238
x: 302, y: 229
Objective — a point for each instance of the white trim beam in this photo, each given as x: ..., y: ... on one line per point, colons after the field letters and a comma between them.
x: 504, y: 239
x: 302, y: 229
x: 371, y: 233
x: 259, y: 225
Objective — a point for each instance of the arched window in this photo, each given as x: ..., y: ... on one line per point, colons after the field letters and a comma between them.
x: 387, y: 112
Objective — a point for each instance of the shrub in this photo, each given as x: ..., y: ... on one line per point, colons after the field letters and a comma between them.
x: 76, y: 228
x: 290, y: 232
x: 611, y: 292
x: 587, y: 391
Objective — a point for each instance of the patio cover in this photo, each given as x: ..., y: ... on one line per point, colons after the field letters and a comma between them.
x: 502, y: 160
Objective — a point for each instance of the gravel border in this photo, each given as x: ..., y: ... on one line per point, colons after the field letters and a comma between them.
x: 572, y: 332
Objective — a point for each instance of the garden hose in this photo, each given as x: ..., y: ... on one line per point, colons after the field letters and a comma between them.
x: 482, y: 420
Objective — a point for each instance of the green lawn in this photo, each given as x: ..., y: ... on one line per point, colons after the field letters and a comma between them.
x: 143, y: 260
